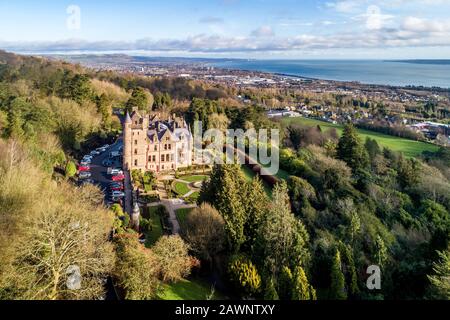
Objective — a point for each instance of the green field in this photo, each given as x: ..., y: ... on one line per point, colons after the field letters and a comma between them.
x: 410, y: 148
x: 194, y: 178
x: 188, y: 290
x: 157, y: 230
x: 250, y: 175
x: 181, y: 188
x: 181, y: 216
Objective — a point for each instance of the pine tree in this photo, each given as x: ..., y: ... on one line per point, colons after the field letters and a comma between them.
x: 256, y: 203
x: 271, y: 293
x: 351, y: 150
x: 440, y: 281
x: 302, y: 290
x: 285, y: 284
x: 337, y: 290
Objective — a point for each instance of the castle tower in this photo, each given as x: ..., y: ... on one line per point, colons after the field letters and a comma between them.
x: 127, y: 143
x: 135, y: 217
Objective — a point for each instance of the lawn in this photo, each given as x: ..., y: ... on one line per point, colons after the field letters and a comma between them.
x: 181, y: 188
x: 410, y: 148
x: 194, y: 178
x: 250, y: 175
x: 188, y: 290
x: 157, y: 230
x: 181, y: 216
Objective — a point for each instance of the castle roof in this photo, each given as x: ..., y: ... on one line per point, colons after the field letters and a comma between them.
x: 127, y: 118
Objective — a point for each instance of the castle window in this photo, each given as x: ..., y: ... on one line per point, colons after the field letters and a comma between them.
x: 154, y: 158
x: 170, y: 147
x: 163, y: 158
x: 135, y: 151
x: 163, y: 167
x: 165, y: 147
x: 171, y: 157
x: 135, y: 162
x: 135, y: 142
x: 156, y: 148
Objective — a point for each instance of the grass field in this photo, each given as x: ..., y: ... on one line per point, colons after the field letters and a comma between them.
x: 157, y: 231
x: 249, y: 175
x: 410, y: 148
x: 194, y: 178
x: 188, y: 290
x: 181, y: 188
x: 181, y: 216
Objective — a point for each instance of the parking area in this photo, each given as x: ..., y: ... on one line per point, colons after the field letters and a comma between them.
x: 103, y: 167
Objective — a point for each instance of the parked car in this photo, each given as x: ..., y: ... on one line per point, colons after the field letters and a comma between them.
x: 120, y: 177
x: 116, y: 184
x: 114, y: 154
x: 87, y: 181
x: 85, y: 175
x: 117, y: 188
x: 94, y: 153
x: 87, y: 158
x: 115, y: 172
x: 107, y: 163
x: 85, y: 163
x: 84, y: 168
x: 117, y: 194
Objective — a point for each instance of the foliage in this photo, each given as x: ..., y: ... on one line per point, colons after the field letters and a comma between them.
x: 440, y: 279
x: 244, y: 275
x: 71, y: 169
x: 337, y: 290
x: 173, y: 258
x: 136, y: 269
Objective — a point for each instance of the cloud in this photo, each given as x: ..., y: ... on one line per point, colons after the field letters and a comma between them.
x: 264, y: 31
x: 410, y: 32
x: 211, y: 20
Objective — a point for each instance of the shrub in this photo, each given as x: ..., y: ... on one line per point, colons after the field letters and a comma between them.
x: 244, y: 275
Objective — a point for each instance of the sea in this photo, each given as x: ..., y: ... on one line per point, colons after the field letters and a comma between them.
x: 426, y: 73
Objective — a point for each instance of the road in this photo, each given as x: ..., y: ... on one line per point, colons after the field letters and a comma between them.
x: 100, y: 172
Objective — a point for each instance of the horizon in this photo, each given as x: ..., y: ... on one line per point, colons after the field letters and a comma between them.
x: 233, y: 29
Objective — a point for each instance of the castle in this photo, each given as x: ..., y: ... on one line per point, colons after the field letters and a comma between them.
x: 154, y: 144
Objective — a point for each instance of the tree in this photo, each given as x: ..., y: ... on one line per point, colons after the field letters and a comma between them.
x: 283, y: 239
x: 226, y: 192
x: 302, y: 290
x: 270, y: 293
x: 204, y: 230
x: 71, y: 169
x: 244, y: 275
x: 136, y: 268
x: 351, y: 150
x: 372, y: 147
x: 408, y: 173
x: 139, y: 99
x: 285, y: 283
x: 337, y: 290
x: 440, y: 280
x: 256, y: 202
x: 173, y: 257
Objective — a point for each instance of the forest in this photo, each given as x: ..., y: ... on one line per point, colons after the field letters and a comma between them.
x: 347, y: 204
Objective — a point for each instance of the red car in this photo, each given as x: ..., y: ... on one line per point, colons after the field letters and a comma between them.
x: 84, y: 168
x: 119, y: 177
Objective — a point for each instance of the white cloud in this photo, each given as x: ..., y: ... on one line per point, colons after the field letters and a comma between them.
x: 264, y: 31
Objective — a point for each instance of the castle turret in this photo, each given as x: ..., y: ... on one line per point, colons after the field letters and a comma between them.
x: 135, y: 217
x: 127, y: 143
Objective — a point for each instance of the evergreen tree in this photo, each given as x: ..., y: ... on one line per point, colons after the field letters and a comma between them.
x: 256, y: 203
x: 372, y: 147
x: 440, y: 280
x: 270, y: 293
x: 351, y: 150
x: 302, y: 290
x: 226, y: 192
x: 285, y: 283
x: 282, y: 239
x: 337, y: 290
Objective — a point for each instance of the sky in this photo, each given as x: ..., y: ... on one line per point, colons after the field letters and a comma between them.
x: 260, y: 29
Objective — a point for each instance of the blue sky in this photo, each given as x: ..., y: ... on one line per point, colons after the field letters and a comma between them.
x: 231, y: 28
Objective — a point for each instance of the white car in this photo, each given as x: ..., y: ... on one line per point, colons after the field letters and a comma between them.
x: 117, y: 194
x: 88, y: 158
x: 84, y: 175
x: 115, y: 172
x: 95, y: 153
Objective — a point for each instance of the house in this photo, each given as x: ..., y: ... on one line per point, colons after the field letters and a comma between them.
x: 155, y: 144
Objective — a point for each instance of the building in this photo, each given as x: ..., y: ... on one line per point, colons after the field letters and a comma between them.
x: 154, y: 144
